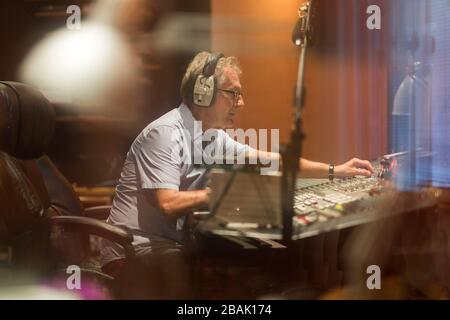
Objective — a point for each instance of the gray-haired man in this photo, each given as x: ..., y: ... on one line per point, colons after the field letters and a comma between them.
x: 159, y: 183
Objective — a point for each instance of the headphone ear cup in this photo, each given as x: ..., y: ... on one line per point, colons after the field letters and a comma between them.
x: 204, y: 91
x: 205, y: 84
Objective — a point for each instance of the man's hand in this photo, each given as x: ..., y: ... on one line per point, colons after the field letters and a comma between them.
x: 354, y: 167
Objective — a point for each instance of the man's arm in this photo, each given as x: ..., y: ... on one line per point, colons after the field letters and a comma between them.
x: 312, y: 169
x: 174, y: 203
x: 158, y: 162
x: 354, y: 167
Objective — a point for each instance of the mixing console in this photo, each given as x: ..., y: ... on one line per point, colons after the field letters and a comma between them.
x: 321, y: 199
x: 320, y: 205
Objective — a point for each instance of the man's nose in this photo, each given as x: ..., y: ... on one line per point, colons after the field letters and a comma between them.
x: 240, y: 103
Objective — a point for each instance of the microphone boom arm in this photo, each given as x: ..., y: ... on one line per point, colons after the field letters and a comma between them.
x: 291, y: 156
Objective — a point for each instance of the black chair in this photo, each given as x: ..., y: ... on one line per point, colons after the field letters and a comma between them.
x: 43, y: 226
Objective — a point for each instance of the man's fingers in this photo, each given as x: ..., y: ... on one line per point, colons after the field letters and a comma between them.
x: 363, y: 172
x: 363, y: 164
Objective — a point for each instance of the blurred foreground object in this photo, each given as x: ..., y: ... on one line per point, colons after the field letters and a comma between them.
x: 93, y: 65
x: 34, y: 293
x: 90, y: 64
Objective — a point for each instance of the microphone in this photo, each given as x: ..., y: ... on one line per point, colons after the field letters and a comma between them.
x: 297, y: 33
x: 300, y: 31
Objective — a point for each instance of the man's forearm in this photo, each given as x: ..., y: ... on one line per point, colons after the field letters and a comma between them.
x: 175, y: 203
x: 312, y: 169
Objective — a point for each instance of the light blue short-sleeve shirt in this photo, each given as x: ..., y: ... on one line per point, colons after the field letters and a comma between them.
x: 163, y: 156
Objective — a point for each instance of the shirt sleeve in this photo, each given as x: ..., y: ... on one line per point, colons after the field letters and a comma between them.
x: 158, y: 159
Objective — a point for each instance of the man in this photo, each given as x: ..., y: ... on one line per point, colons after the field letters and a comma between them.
x: 160, y: 185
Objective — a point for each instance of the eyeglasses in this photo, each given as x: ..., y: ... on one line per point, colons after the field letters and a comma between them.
x: 236, y: 94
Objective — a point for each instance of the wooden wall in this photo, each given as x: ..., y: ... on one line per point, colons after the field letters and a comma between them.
x: 346, y: 73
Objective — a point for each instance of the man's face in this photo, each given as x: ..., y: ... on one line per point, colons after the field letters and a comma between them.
x: 228, y: 101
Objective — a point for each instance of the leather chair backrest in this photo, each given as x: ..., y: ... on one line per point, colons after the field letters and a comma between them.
x: 31, y: 187
x: 26, y: 127
x: 27, y: 121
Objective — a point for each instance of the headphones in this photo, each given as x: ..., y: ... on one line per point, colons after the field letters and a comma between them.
x: 205, y: 86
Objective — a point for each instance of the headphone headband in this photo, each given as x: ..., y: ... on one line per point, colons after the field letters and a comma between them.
x: 211, y: 64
